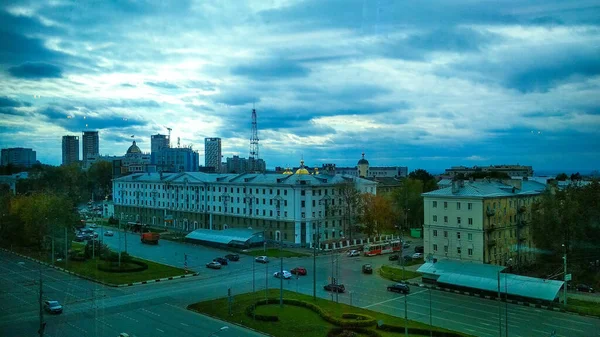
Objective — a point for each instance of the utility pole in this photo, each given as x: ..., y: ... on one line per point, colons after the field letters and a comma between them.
x: 333, y: 280
x: 119, y: 244
x: 281, y: 271
x: 565, y: 273
x: 337, y: 277
x: 316, y: 236
x: 499, y: 308
x: 405, y: 316
x: 506, y: 304
x: 430, y: 316
x: 66, y: 248
x: 42, y: 325
x: 266, y: 280
x: 253, y: 277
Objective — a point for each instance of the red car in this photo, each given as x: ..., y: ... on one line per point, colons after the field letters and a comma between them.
x: 299, y: 271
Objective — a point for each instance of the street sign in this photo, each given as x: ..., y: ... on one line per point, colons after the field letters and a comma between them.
x: 568, y: 277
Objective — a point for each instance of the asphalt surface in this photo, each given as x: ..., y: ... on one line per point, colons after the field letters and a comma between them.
x: 91, y: 309
x: 476, y: 316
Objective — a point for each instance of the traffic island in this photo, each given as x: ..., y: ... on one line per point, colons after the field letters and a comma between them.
x: 303, y: 316
x: 132, y: 270
x: 397, y: 274
x: 274, y: 253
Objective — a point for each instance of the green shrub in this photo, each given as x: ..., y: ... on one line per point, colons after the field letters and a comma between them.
x: 343, y: 332
x: 112, y: 267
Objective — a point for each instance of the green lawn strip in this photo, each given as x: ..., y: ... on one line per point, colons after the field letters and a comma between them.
x: 88, y: 268
x: 275, y: 253
x: 396, y: 274
x: 583, y: 307
x: 293, y: 320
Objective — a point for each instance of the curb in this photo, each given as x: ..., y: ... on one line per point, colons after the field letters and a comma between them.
x: 95, y: 280
x: 229, y: 322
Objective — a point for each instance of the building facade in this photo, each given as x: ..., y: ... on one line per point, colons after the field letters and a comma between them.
x: 511, y: 170
x: 177, y: 159
x: 293, y: 207
x: 483, y: 221
x: 212, y: 153
x: 18, y: 156
x: 364, y: 170
x: 238, y: 164
x: 90, y: 145
x: 70, y: 149
x: 157, y: 143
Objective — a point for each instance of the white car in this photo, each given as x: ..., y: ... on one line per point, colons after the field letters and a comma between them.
x: 109, y: 233
x: 93, y: 225
x: 262, y: 259
x: 417, y: 256
x: 286, y: 274
x: 353, y: 252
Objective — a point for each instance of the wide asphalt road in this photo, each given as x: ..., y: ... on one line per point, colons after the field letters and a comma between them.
x: 91, y: 309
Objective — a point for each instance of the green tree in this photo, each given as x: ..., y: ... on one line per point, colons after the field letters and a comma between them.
x: 100, y: 178
x: 562, y: 177
x: 377, y: 214
x: 429, y: 181
x: 349, y: 203
x: 409, y: 203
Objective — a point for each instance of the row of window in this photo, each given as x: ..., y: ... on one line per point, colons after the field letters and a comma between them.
x: 469, y: 235
x: 458, y: 220
x: 458, y: 205
x: 458, y: 250
x: 315, y: 192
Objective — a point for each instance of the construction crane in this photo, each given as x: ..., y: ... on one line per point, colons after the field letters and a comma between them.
x: 169, y: 135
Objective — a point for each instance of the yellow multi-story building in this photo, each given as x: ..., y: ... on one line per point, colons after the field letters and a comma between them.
x: 481, y: 221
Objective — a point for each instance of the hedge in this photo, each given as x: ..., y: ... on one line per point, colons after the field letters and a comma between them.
x: 352, y: 321
x: 110, y: 268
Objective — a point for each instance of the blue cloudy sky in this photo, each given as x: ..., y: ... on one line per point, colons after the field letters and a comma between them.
x: 418, y: 83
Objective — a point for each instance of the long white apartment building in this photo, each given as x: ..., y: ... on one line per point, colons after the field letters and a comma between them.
x: 481, y: 221
x: 288, y: 206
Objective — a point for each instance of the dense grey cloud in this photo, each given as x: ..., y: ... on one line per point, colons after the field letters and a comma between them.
x: 428, y: 85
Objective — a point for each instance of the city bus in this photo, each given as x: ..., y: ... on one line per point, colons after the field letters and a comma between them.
x: 372, y: 249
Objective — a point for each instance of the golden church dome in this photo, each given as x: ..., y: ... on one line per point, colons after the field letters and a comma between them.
x: 302, y: 169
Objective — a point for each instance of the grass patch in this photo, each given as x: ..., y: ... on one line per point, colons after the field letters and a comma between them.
x: 396, y: 274
x: 293, y: 320
x: 88, y: 268
x: 275, y: 253
x: 583, y: 307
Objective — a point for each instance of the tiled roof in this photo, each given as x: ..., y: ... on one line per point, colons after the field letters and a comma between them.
x: 483, y: 189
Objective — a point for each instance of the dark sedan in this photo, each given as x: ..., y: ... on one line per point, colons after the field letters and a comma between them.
x: 221, y: 260
x: 299, y: 271
x: 399, y: 288
x: 232, y: 257
x: 367, y: 269
x: 53, y: 307
x: 585, y: 288
x: 393, y: 257
x: 336, y: 288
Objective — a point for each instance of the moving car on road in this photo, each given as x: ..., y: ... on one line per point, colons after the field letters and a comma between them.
x: 336, y: 288
x: 399, y: 288
x: 213, y: 265
x: 367, y: 269
x: 109, y: 233
x: 232, y: 257
x: 221, y: 260
x: 299, y: 271
x: 286, y: 274
x: 262, y: 259
x: 417, y: 256
x: 53, y: 307
x: 353, y: 252
x: 150, y: 238
x: 585, y: 288
x: 93, y: 225
x: 393, y: 257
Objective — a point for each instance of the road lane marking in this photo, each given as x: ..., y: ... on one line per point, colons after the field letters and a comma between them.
x: 562, y: 327
x: 392, y: 299
x: 485, y: 324
x: 184, y: 324
x: 152, y: 313
x: 160, y: 330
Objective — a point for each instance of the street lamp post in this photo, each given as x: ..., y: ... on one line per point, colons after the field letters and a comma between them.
x: 277, y: 209
x: 325, y: 202
x: 565, y: 273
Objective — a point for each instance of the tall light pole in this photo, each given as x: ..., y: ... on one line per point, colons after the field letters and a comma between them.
x: 325, y: 202
x: 565, y: 273
x: 277, y: 209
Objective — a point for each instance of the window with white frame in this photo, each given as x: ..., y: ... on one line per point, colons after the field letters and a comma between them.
x: 469, y: 206
x: 446, y: 249
x: 470, y: 251
x: 445, y: 234
x: 435, y: 232
x: 470, y: 236
x: 458, y: 206
x: 458, y: 220
x: 470, y: 221
x: 435, y: 204
x: 458, y: 235
x: 445, y: 205
x: 445, y: 219
x: 458, y: 250
x: 434, y: 247
x: 435, y: 218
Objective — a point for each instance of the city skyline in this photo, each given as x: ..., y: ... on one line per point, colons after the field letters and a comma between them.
x: 418, y: 86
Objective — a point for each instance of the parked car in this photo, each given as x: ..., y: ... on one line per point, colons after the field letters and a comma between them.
x: 95, y: 235
x: 399, y: 288
x: 419, y: 249
x: 79, y: 238
x: 417, y: 256
x: 93, y: 225
x: 394, y: 257
x: 286, y: 274
x: 221, y: 260
x: 585, y: 288
x: 367, y: 269
x: 262, y: 259
x: 406, y: 245
x: 213, y: 265
x: 298, y: 271
x: 407, y: 258
x: 336, y: 288
x: 232, y: 257
x: 109, y: 233
x: 53, y: 307
x: 353, y: 252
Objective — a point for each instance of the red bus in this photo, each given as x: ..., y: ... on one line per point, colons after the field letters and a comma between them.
x: 389, y: 247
